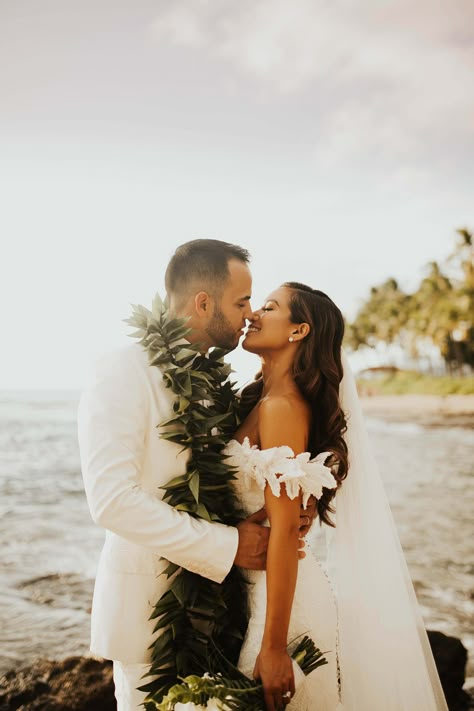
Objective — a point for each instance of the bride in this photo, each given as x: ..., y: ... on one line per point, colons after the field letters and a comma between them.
x: 302, y: 434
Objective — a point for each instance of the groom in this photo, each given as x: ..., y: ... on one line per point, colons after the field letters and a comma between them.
x: 124, y: 462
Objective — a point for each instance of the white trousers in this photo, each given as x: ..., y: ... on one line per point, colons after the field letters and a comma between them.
x: 126, y: 679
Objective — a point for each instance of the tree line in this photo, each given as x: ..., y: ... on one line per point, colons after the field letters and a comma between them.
x: 439, y: 313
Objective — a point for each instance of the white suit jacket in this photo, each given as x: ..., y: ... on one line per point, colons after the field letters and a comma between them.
x: 124, y: 462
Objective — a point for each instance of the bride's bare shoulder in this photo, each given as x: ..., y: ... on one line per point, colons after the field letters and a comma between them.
x: 284, y: 420
x: 292, y: 404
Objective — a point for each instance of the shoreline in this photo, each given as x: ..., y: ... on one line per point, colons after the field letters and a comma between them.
x: 428, y: 410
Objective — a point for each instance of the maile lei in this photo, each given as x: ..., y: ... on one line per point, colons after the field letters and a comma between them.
x: 197, y: 619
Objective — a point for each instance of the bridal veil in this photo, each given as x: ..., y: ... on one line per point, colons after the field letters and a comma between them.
x: 384, y: 654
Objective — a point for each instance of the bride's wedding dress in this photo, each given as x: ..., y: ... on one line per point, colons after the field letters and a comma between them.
x: 364, y: 616
x: 314, y: 608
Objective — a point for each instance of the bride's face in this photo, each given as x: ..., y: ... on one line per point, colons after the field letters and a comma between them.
x: 271, y: 326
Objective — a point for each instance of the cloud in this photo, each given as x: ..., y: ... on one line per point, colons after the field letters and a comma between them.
x: 390, y: 80
x: 293, y: 44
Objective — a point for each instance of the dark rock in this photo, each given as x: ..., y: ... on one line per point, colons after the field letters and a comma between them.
x: 450, y: 656
x: 73, y: 684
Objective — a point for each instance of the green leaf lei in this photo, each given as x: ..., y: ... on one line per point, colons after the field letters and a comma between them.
x: 195, y: 614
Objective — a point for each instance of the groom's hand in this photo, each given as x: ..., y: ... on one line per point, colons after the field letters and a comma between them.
x: 253, y: 542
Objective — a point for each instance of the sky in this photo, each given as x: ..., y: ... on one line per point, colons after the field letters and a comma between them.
x: 334, y: 140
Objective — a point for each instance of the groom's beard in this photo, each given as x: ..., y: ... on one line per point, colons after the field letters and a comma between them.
x: 221, y: 333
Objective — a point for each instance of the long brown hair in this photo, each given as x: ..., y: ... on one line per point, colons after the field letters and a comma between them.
x: 317, y: 370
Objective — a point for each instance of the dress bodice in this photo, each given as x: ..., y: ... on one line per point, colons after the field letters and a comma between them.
x: 277, y: 467
x: 300, y: 474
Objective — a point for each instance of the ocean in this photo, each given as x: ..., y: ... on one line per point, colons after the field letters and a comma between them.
x: 49, y: 546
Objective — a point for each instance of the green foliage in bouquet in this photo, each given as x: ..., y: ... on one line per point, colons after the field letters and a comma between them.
x: 231, y: 689
x: 194, y: 609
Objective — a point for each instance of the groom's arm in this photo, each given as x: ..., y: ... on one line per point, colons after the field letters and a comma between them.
x: 113, y: 416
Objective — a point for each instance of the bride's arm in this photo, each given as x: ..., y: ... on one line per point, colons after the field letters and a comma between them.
x: 279, y: 425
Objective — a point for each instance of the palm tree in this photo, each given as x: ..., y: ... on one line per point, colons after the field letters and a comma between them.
x: 381, y: 318
x: 441, y: 310
x: 433, y: 313
x: 462, y: 336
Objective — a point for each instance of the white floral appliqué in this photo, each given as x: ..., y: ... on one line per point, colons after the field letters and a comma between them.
x: 278, y: 465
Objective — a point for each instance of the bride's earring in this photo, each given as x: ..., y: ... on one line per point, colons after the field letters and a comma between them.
x: 291, y: 339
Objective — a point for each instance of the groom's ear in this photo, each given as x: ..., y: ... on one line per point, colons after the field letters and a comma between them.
x: 202, y: 304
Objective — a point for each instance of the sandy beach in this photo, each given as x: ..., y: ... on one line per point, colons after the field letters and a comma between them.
x: 429, y: 410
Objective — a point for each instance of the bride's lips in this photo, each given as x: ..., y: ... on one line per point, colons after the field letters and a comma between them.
x: 251, y: 329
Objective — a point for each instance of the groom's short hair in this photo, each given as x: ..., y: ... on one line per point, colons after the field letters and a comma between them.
x: 201, y: 263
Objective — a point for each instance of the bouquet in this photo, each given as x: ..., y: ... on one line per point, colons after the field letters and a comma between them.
x: 231, y: 690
